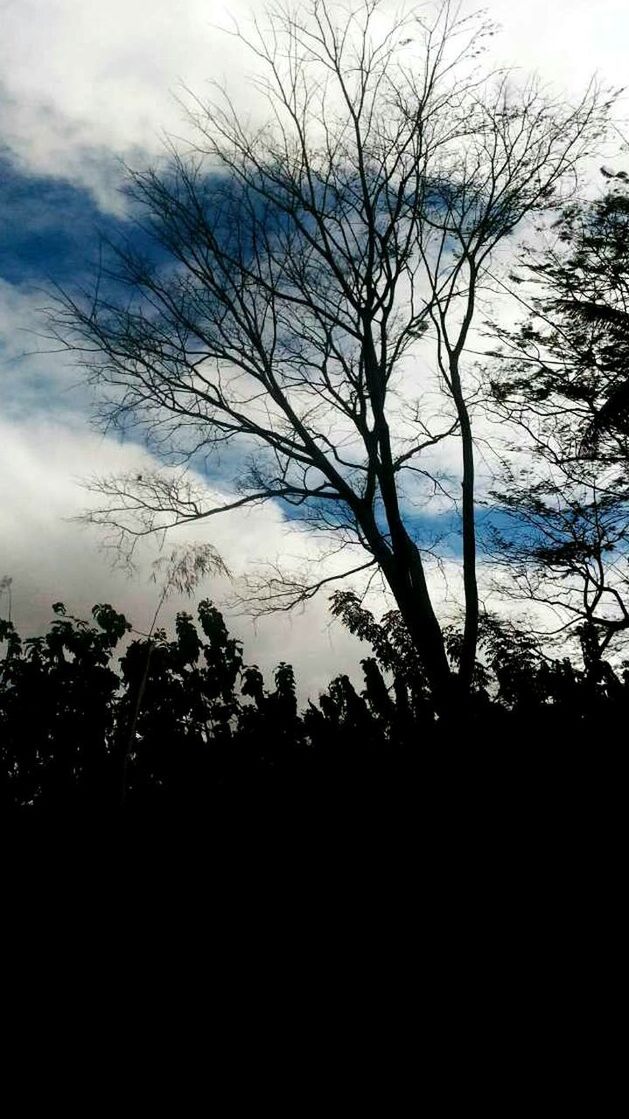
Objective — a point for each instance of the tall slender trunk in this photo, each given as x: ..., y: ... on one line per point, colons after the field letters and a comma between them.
x: 404, y: 572
x: 401, y: 563
x: 470, y: 583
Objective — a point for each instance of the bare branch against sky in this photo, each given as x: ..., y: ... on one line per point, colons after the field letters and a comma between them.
x: 300, y: 266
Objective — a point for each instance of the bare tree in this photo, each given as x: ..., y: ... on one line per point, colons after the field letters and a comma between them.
x: 317, y: 283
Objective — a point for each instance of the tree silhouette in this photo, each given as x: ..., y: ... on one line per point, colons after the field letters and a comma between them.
x: 311, y: 259
x: 211, y: 741
x: 57, y: 715
x: 563, y: 385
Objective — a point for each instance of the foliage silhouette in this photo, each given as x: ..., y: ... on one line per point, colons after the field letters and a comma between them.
x: 563, y: 385
x: 209, y: 734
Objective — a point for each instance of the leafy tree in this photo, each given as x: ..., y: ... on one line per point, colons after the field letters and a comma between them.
x: 395, y: 654
x: 57, y: 710
x: 188, y: 702
x: 299, y: 265
x: 563, y: 384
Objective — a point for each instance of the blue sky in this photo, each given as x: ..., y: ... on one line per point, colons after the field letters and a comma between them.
x: 83, y: 86
x: 50, y: 227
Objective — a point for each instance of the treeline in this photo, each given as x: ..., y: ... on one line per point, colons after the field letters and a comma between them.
x: 181, y: 724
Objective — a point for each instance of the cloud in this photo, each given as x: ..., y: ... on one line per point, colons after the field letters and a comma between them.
x: 82, y: 80
x: 566, y: 42
x: 36, y: 379
x: 51, y: 558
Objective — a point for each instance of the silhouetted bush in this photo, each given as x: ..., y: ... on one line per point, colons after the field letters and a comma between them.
x: 183, y: 727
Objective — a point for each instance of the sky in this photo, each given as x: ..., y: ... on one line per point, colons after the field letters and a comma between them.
x: 85, y: 86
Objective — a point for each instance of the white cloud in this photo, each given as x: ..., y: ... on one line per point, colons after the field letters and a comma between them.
x: 51, y: 558
x: 566, y: 41
x: 34, y: 375
x: 83, y: 80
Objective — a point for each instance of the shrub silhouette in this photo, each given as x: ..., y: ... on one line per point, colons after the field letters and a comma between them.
x: 180, y: 726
